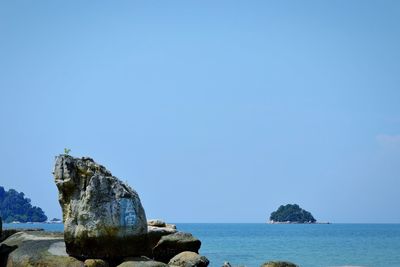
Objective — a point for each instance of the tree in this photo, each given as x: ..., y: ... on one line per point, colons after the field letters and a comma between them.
x: 292, y: 213
x: 14, y: 206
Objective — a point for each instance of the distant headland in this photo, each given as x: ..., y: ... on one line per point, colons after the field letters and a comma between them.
x: 15, y: 207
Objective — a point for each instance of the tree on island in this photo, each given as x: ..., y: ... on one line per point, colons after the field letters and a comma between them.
x: 14, y: 206
x: 291, y: 213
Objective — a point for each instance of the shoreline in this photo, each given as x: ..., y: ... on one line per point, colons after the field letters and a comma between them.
x: 288, y: 222
x: 215, y: 248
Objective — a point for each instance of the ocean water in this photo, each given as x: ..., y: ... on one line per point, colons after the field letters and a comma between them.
x: 308, y: 245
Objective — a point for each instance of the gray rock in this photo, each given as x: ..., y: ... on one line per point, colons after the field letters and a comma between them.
x: 173, y: 244
x: 141, y: 262
x: 39, y: 249
x: 168, y: 225
x: 162, y: 230
x: 155, y: 234
x: 103, y: 217
x: 278, y: 264
x: 226, y: 264
x: 9, y: 232
x: 156, y: 222
x: 189, y: 259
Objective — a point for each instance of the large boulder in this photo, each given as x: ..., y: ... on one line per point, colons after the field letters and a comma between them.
x: 156, y: 222
x: 103, y: 217
x: 141, y: 262
x: 155, y: 233
x: 38, y: 249
x: 173, y: 244
x: 189, y: 259
x: 9, y: 232
x: 278, y: 264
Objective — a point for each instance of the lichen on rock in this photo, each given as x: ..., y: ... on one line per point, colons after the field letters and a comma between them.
x: 278, y: 264
x: 103, y: 217
x: 170, y: 245
x: 189, y: 259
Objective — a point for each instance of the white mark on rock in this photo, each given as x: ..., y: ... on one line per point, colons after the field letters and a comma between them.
x: 128, y: 213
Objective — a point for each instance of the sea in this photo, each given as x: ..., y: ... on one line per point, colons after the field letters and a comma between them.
x: 307, y: 245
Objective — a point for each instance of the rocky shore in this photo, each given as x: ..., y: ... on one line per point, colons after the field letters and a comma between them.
x: 39, y: 248
x: 105, y: 225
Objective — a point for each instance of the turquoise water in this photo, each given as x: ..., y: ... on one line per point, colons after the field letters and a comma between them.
x: 314, y: 245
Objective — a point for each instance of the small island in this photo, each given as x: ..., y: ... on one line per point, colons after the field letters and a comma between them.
x: 291, y: 213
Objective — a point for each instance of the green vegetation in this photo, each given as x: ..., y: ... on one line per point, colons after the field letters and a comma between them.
x: 66, y: 151
x: 292, y: 213
x: 279, y: 264
x: 15, y: 207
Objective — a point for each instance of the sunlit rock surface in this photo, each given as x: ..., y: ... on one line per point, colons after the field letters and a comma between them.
x: 103, y: 217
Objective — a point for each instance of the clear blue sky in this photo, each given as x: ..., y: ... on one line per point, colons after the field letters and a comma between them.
x: 214, y: 111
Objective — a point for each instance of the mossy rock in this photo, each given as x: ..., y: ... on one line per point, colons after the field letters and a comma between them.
x: 279, y: 264
x: 109, y: 246
x: 141, y: 262
x: 96, y: 263
x: 173, y: 244
x: 189, y: 259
